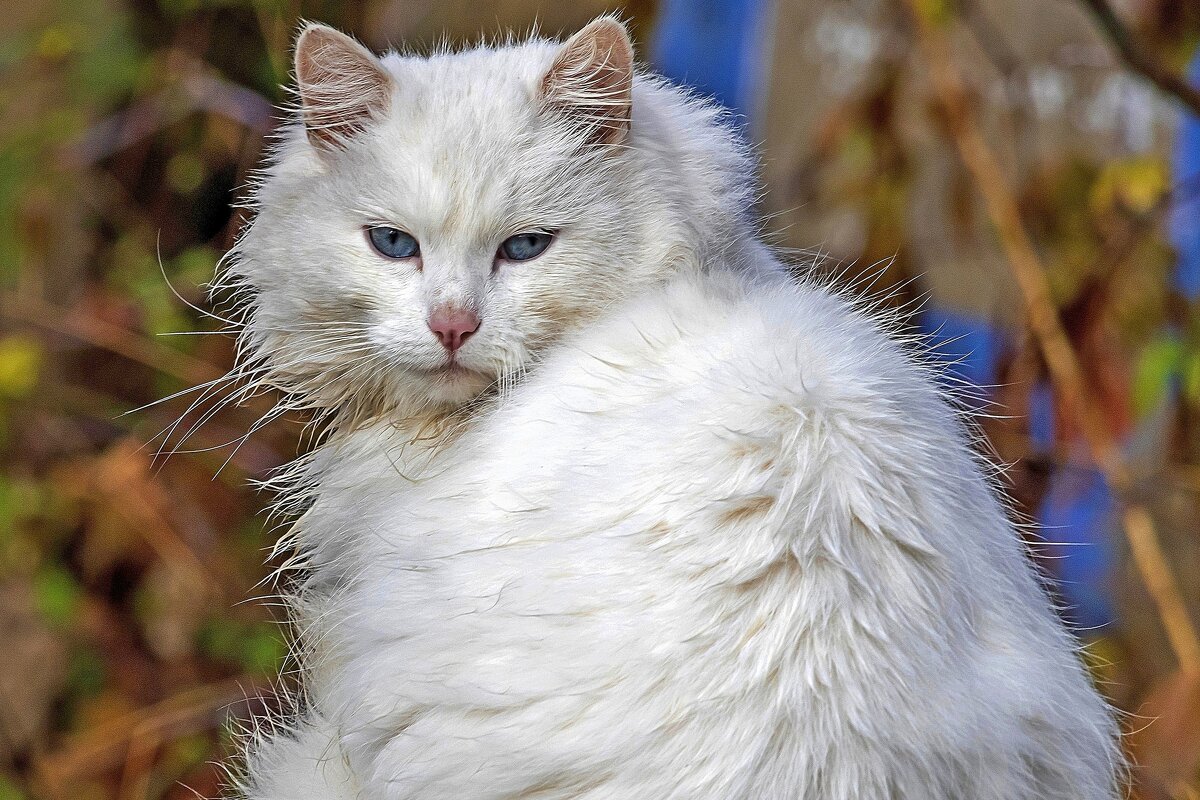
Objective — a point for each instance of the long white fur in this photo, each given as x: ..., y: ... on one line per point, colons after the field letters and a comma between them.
x: 697, y: 531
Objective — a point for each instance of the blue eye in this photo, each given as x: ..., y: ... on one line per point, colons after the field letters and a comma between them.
x: 525, y: 246
x: 392, y: 242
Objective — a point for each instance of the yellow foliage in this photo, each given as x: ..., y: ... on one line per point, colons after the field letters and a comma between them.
x: 20, y: 364
x: 1133, y: 183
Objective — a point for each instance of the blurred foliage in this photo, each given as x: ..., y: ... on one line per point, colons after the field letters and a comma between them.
x: 123, y: 576
x: 129, y: 128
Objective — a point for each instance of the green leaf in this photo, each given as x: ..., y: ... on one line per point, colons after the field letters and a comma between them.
x: 263, y: 650
x: 108, y: 60
x: 219, y: 639
x: 9, y: 790
x: 1158, y: 366
x: 1135, y: 183
x: 935, y: 12
x: 1191, y: 378
x: 195, y: 265
x: 20, y: 364
x: 185, y: 172
x: 87, y: 675
x: 58, y: 595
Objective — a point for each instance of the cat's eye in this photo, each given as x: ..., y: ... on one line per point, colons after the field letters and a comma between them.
x: 525, y: 246
x: 392, y: 242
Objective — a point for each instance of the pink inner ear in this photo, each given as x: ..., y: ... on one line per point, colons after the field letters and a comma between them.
x: 342, y: 86
x: 591, y: 81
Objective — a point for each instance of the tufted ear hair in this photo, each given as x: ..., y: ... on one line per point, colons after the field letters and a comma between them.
x: 342, y: 85
x: 591, y: 81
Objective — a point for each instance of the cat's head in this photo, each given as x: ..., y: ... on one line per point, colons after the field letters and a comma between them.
x: 428, y: 225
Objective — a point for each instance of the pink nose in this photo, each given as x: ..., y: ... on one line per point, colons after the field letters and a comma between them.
x: 453, y: 326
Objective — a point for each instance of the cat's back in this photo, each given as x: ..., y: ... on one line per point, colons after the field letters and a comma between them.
x: 728, y: 541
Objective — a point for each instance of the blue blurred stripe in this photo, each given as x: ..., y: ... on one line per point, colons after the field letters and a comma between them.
x: 969, y: 346
x: 1185, y: 215
x: 718, y: 47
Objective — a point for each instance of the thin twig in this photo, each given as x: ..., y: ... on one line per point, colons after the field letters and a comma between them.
x: 105, y: 747
x: 104, y: 335
x: 122, y: 478
x: 994, y: 46
x: 1061, y: 361
x: 1141, y: 60
x: 1118, y: 246
x: 202, y: 90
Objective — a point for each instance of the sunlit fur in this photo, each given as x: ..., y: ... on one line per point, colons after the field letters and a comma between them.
x: 692, y: 530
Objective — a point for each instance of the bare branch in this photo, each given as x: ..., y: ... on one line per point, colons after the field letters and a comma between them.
x: 1141, y: 60
x: 1062, y: 362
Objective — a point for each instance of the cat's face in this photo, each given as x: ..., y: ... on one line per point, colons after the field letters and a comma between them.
x: 439, y: 221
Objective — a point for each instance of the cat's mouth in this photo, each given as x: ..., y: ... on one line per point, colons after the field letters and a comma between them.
x: 453, y: 371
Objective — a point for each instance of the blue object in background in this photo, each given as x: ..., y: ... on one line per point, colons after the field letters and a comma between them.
x: 969, y: 346
x: 1185, y: 216
x: 1077, y: 520
x: 1041, y: 418
x: 1075, y: 517
x: 717, y: 47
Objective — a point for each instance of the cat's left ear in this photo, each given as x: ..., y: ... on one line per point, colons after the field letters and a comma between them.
x: 591, y: 81
x: 343, y: 86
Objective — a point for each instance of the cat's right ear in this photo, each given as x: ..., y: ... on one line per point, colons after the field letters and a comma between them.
x: 342, y: 86
x: 591, y: 81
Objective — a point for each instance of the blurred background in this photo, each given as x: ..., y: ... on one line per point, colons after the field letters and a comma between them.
x: 1020, y: 177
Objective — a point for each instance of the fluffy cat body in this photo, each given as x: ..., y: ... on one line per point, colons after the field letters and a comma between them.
x: 717, y: 535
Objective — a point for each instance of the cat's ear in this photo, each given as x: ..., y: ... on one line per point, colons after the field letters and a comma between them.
x: 342, y: 85
x: 591, y: 81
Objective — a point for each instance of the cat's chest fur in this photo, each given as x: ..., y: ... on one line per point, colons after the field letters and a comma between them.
x: 676, y: 563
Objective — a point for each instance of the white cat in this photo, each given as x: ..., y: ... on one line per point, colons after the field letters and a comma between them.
x: 611, y: 507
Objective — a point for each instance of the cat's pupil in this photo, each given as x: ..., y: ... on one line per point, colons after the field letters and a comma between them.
x: 525, y: 246
x: 392, y: 242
